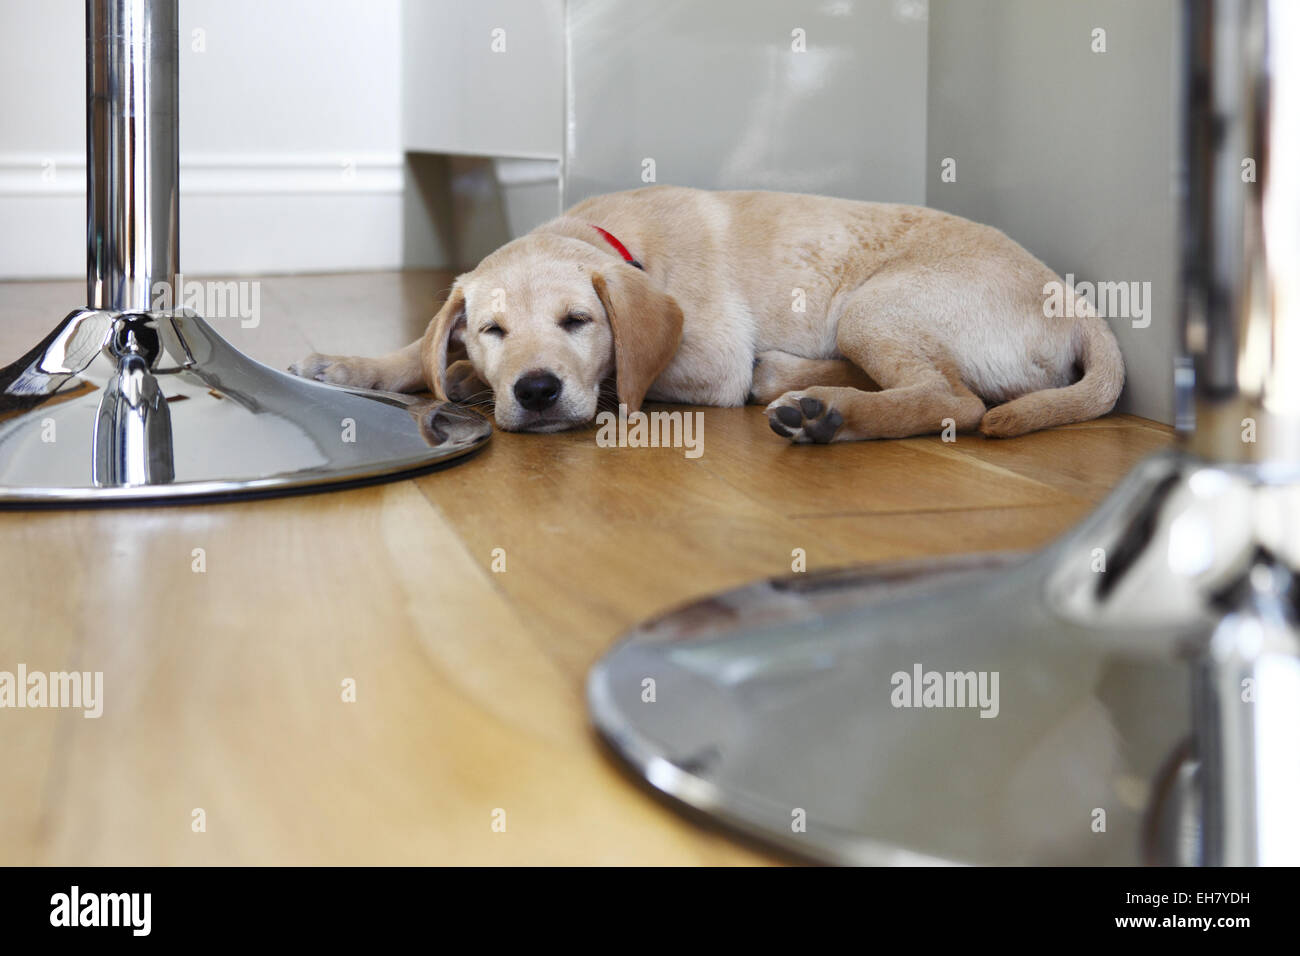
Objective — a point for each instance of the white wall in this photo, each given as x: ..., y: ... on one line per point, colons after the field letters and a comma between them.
x: 1071, y: 152
x: 290, y: 135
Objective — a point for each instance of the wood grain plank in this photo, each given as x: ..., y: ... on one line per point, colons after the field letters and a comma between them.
x: 223, y: 691
x: 858, y: 477
x: 1080, y: 460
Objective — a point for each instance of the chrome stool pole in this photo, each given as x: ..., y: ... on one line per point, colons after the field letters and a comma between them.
x: 1242, y: 335
x: 136, y: 398
x: 1141, y: 676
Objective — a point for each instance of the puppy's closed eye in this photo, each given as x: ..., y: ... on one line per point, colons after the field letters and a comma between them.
x: 493, y: 329
x: 574, y: 321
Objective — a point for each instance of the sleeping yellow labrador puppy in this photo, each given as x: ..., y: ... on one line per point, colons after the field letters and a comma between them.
x: 850, y: 320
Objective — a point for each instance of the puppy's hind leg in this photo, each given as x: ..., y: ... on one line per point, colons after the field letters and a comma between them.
x: 400, y: 371
x: 776, y: 373
x: 918, y: 395
x: 824, y: 414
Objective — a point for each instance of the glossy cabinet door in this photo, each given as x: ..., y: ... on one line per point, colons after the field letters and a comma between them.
x: 484, y: 78
x: 817, y: 96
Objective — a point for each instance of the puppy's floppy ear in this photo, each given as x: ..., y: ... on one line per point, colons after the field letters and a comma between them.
x: 647, y: 327
x: 445, y: 327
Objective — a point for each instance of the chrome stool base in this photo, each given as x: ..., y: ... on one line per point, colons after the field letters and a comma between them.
x: 155, y: 407
x: 797, y: 711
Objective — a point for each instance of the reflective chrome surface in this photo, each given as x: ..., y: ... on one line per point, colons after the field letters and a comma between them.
x: 1148, y: 663
x: 1248, y: 722
x: 122, y: 402
x: 1241, y: 284
x: 780, y: 696
x: 132, y: 437
x: 162, y: 407
x: 132, y: 152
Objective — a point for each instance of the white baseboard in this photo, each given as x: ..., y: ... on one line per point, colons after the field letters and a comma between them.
x: 239, y: 214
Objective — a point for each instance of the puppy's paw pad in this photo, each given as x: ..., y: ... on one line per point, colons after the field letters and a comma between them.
x: 804, y: 419
x: 812, y: 408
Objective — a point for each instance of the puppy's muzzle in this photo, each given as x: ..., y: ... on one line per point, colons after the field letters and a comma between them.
x: 538, y: 391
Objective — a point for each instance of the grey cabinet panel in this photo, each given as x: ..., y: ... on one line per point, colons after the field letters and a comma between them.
x: 716, y: 95
x: 484, y: 78
x: 1069, y: 150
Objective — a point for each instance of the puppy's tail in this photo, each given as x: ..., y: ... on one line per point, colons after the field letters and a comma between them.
x: 1091, y: 396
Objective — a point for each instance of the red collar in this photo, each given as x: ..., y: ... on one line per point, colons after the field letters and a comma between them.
x: 618, y: 247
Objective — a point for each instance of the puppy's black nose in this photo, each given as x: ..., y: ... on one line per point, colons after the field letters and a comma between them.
x: 537, y: 391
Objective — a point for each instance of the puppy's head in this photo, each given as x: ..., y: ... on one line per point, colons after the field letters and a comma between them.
x: 545, y: 321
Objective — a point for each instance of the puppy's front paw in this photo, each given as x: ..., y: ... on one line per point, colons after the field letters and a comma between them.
x: 803, y: 418
x: 337, y: 370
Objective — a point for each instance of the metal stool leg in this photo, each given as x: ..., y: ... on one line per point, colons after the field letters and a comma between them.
x: 1147, y: 710
x: 136, y: 399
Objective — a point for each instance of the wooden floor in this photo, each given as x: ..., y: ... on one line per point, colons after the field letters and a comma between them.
x: 222, y: 690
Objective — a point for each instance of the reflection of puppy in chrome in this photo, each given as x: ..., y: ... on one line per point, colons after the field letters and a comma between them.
x: 852, y: 320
